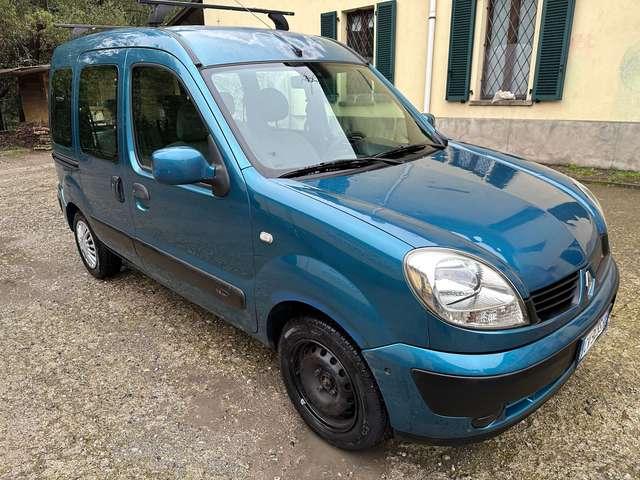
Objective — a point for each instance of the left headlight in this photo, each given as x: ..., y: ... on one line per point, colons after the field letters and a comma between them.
x: 463, y: 290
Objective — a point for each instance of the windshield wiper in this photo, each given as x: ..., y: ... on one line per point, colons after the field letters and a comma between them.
x: 335, y: 165
x: 402, y: 149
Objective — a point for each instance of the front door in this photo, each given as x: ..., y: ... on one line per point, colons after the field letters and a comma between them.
x: 101, y: 157
x: 195, y: 242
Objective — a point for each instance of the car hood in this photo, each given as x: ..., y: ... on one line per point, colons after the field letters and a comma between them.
x: 513, y: 213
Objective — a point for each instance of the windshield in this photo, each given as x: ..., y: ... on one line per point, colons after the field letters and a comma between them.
x: 295, y: 115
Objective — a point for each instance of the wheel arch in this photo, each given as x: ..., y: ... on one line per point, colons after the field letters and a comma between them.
x: 70, y: 212
x: 297, y: 284
x: 286, y: 310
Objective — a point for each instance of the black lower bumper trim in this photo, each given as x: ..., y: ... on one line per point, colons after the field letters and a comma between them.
x: 474, y: 397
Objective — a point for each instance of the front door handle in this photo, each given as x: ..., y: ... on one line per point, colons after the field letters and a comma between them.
x: 140, y: 192
x: 116, y: 188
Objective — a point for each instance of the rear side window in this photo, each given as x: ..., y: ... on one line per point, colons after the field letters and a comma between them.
x: 61, y: 107
x: 98, y: 109
x: 164, y: 114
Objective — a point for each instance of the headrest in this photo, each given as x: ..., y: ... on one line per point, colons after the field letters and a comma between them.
x: 229, y: 102
x: 268, y: 105
x: 189, y: 125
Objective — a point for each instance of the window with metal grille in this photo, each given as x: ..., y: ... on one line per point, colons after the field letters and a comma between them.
x: 360, y: 32
x: 508, y: 47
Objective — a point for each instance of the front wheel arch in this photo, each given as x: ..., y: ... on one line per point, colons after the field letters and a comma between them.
x: 284, y: 311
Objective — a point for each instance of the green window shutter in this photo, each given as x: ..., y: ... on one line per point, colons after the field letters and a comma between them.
x: 386, y: 39
x: 463, y: 20
x: 553, y: 49
x: 329, y: 25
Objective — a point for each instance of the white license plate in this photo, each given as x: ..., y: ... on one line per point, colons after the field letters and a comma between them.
x: 594, y: 333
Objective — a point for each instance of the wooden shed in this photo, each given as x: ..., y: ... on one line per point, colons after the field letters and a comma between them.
x: 33, y: 92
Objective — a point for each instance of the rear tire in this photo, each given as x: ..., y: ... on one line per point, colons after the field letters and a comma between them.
x: 330, y: 385
x: 97, y: 258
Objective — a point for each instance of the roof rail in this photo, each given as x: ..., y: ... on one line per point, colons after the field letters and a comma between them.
x: 161, y: 8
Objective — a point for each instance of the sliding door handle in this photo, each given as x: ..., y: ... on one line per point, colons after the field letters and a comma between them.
x: 117, y: 189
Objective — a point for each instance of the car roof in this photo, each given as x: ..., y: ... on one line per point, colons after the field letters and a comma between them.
x: 211, y: 46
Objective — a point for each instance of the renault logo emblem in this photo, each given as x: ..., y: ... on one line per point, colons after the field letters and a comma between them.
x: 590, y: 284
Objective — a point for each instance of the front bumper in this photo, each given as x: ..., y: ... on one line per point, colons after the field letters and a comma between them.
x: 448, y: 397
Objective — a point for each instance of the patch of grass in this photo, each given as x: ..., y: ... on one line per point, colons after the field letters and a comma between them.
x: 578, y: 171
x: 600, y: 174
x: 624, y: 176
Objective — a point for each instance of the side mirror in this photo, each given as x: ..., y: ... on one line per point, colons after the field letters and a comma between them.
x: 181, y: 166
x: 430, y: 118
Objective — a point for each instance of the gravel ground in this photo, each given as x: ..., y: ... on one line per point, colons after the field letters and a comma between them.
x: 125, y: 379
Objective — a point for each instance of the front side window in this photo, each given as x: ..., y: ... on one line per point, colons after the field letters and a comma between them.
x: 294, y: 115
x: 98, y: 110
x: 164, y: 114
x: 61, y: 107
x: 509, y: 43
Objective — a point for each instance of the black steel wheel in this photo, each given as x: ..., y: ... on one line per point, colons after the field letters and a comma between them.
x: 324, y: 385
x: 330, y: 384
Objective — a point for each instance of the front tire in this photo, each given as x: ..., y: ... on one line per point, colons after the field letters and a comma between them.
x: 97, y: 258
x: 330, y: 385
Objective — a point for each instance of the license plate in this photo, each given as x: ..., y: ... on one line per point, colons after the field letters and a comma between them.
x: 594, y: 333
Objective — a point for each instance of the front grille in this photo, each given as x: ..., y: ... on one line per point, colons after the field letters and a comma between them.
x: 557, y: 297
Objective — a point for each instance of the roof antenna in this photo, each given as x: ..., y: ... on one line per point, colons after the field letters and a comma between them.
x: 280, y: 23
x: 259, y: 19
x: 297, y: 50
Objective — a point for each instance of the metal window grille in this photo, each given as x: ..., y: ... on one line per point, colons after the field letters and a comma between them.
x: 360, y: 32
x: 508, y: 47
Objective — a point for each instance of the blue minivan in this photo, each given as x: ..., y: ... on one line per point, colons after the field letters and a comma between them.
x: 411, y: 284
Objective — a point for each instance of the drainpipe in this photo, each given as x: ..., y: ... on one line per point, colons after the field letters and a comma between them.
x: 431, y: 39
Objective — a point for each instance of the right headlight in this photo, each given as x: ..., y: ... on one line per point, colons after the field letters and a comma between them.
x: 463, y: 290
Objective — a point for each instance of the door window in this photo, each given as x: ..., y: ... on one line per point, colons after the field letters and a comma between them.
x: 164, y: 114
x: 61, y: 107
x: 98, y: 109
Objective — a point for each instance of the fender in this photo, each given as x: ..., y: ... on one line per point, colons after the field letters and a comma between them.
x: 307, y: 280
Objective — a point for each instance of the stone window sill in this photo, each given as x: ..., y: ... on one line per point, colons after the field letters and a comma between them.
x: 501, y: 103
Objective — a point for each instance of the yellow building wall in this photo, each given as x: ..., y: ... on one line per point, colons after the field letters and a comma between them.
x: 602, y: 81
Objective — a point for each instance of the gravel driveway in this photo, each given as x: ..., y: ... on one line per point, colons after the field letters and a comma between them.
x: 125, y: 379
